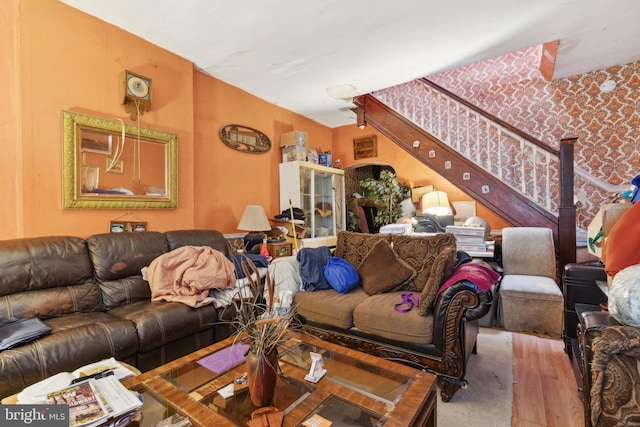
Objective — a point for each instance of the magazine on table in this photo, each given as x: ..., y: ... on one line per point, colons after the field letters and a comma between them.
x: 37, y: 393
x: 95, y: 400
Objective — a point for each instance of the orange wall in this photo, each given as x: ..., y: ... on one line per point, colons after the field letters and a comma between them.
x: 408, y: 169
x: 56, y: 58
x: 10, y: 159
x: 227, y: 180
x: 68, y: 60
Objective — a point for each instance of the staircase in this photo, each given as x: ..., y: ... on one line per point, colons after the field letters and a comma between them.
x: 519, y: 178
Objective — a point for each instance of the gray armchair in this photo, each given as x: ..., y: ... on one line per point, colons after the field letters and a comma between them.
x: 530, y: 298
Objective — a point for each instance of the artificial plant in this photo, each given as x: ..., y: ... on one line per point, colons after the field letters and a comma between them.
x: 387, y: 194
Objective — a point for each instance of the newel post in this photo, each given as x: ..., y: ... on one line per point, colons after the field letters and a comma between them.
x: 567, y: 208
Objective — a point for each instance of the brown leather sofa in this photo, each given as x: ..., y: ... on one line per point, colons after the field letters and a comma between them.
x: 439, y: 335
x: 91, y: 293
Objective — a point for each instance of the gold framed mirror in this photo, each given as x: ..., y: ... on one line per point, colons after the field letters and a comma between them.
x: 107, y: 164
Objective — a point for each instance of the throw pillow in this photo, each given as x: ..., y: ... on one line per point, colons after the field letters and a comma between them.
x: 383, y: 271
x: 622, y: 247
x: 420, y: 252
x: 442, y: 268
x: 354, y: 247
x: 341, y: 275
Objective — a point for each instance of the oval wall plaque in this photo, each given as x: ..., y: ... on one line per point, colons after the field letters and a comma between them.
x: 245, y: 139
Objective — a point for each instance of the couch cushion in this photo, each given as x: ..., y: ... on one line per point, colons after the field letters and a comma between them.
x: 329, y: 307
x: 159, y: 323
x: 354, y: 247
x: 118, y: 259
x: 442, y: 268
x: 43, y: 262
x: 212, y: 238
x: 52, y: 302
x: 420, y: 252
x: 377, y: 315
x: 383, y: 271
x: 46, y: 277
x: 125, y: 291
x: 75, y: 340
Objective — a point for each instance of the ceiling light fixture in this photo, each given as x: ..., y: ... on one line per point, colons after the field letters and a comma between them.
x: 345, y: 92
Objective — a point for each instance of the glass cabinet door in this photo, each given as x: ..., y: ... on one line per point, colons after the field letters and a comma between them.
x: 306, y: 198
x: 319, y: 192
x: 323, y: 220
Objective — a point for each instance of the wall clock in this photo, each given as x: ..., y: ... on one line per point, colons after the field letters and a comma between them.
x: 245, y: 139
x: 135, y: 93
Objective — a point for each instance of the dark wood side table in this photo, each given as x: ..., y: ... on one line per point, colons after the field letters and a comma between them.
x: 279, y: 249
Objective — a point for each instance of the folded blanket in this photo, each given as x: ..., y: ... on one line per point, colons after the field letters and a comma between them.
x: 240, y: 259
x: 188, y: 273
x: 312, y: 261
x: 479, y: 274
x: 14, y: 331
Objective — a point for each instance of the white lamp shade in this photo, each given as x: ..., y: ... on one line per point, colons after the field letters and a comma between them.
x: 254, y: 218
x: 436, y: 203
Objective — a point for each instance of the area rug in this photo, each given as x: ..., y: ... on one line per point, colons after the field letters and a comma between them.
x: 488, y: 399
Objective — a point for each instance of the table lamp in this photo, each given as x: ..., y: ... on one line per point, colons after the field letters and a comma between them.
x: 255, y: 221
x: 437, y: 212
x: 436, y: 203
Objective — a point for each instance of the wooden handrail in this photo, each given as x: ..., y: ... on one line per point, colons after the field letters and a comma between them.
x: 519, y: 211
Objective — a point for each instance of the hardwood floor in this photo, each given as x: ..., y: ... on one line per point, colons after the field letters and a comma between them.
x: 544, y: 387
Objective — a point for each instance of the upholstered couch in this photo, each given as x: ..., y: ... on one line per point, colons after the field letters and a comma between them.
x: 437, y: 334
x: 608, y: 356
x: 91, y: 294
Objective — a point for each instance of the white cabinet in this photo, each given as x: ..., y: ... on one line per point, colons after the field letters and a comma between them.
x: 319, y: 191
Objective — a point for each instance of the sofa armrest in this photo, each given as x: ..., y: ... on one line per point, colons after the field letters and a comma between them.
x: 461, y: 301
x: 591, y: 325
x: 595, y: 321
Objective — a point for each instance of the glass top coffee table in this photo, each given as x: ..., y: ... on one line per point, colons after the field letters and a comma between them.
x: 357, y: 390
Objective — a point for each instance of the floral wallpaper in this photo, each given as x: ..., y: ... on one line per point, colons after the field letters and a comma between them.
x: 607, y: 124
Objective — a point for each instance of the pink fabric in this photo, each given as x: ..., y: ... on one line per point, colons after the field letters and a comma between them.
x: 188, y: 273
x: 479, y: 274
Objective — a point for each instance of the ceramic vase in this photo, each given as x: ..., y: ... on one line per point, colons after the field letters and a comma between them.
x: 262, y: 375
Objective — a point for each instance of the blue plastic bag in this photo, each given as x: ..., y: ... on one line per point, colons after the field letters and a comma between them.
x: 341, y: 275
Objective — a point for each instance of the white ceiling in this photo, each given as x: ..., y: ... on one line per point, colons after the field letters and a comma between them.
x: 297, y: 54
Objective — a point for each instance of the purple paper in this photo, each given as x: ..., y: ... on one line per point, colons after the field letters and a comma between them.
x: 225, y: 359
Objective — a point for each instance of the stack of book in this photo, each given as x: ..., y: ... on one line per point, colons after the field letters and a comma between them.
x: 94, y: 394
x: 469, y: 239
x: 96, y: 401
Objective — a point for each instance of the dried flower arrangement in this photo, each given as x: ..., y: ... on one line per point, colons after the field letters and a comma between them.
x: 258, y: 322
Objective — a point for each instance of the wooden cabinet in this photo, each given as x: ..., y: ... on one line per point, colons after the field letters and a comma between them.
x: 277, y: 250
x: 319, y: 191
